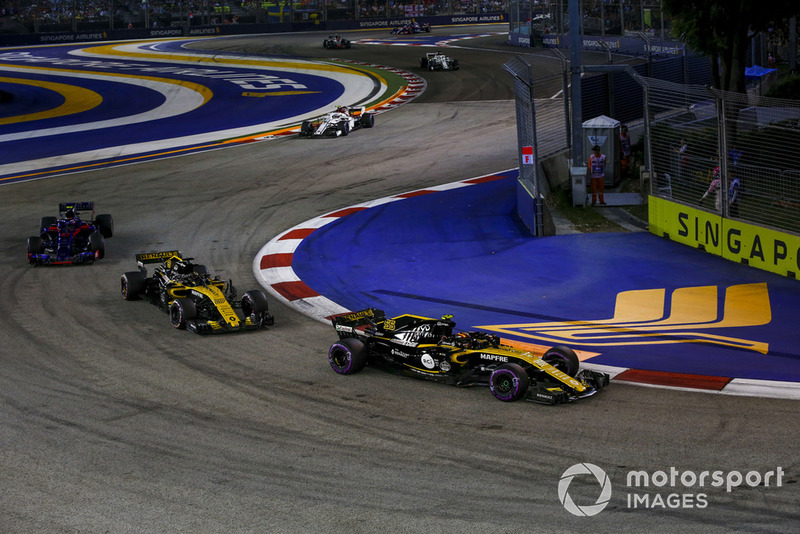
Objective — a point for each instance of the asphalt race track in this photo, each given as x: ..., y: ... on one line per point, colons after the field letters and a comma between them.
x: 112, y: 421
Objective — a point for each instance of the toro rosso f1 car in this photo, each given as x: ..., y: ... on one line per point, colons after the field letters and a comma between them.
x: 194, y: 299
x: 336, y: 41
x: 428, y: 348
x: 340, y: 122
x: 68, y: 238
x: 438, y: 61
x: 411, y: 28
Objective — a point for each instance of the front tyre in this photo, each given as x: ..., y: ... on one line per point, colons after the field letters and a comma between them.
x: 256, y: 307
x: 347, y: 356
x: 181, y: 312
x: 509, y: 382
x: 564, y: 359
x: 97, y: 245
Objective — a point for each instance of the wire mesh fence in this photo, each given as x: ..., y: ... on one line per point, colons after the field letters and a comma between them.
x: 729, y: 153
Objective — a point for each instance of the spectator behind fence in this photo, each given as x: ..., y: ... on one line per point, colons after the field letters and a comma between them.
x: 624, y: 151
x: 715, y: 188
x: 683, y: 159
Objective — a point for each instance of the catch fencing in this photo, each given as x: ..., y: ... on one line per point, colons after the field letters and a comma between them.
x: 734, y: 154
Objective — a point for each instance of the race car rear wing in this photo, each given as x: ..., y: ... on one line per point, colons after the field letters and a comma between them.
x: 158, y: 257
x: 76, y: 206
x: 370, y: 316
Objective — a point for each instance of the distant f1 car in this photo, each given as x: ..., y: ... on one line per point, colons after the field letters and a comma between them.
x: 194, y: 299
x: 336, y: 41
x: 438, y: 61
x: 68, y: 238
x: 412, y: 27
x: 428, y: 348
x: 340, y: 122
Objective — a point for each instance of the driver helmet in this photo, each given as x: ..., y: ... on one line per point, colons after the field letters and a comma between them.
x: 342, y: 109
x: 70, y: 214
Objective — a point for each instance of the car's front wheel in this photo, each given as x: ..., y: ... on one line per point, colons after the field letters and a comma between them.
x: 256, y: 307
x: 509, y: 382
x: 181, y: 311
x: 563, y: 358
x: 97, y: 244
x: 347, y: 356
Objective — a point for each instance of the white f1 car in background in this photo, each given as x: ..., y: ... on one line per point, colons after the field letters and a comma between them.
x: 340, y: 122
x: 438, y: 61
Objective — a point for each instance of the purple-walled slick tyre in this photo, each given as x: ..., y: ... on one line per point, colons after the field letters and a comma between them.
x: 347, y: 356
x: 509, y: 382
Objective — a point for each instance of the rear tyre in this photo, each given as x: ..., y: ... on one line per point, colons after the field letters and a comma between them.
x: 347, y: 356
x: 367, y: 120
x: 564, y: 359
x: 105, y: 224
x: 181, y: 311
x: 46, y: 223
x: 132, y: 285
x: 97, y: 245
x: 509, y: 382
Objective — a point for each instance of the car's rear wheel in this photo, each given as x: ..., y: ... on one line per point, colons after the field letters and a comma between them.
x: 97, y: 245
x: 509, y: 382
x: 181, y: 311
x: 131, y: 285
x: 45, y: 223
x: 563, y: 358
x: 367, y: 120
x: 347, y: 356
x: 105, y: 224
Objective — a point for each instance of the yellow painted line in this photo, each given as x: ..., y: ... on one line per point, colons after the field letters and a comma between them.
x: 76, y: 100
x: 201, y: 89
x: 279, y: 64
x: 280, y: 93
x: 111, y: 50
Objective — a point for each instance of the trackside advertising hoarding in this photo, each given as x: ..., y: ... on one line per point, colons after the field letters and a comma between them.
x: 20, y: 39
x: 759, y: 247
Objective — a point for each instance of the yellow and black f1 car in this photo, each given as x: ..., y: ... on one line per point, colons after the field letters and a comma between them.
x: 428, y: 348
x: 193, y: 298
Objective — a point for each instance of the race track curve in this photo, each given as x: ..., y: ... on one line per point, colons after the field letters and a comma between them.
x: 113, y: 421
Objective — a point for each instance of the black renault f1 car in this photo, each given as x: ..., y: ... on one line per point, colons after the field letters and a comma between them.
x: 194, y: 299
x: 70, y: 239
x: 429, y: 348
